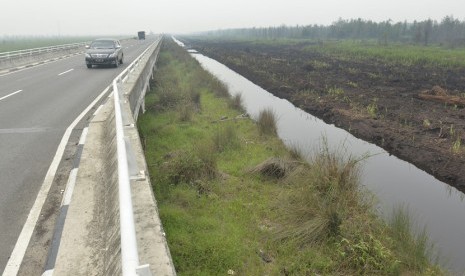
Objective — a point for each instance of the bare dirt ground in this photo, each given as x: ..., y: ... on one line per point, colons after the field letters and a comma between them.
x: 415, y: 113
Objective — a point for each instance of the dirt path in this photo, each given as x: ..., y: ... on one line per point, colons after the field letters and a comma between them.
x: 415, y: 112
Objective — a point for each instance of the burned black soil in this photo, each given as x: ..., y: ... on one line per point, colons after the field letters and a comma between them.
x: 374, y: 100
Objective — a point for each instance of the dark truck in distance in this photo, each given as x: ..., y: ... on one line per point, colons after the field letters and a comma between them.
x: 104, y: 52
x: 141, y: 35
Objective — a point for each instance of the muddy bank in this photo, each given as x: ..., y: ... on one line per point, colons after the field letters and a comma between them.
x: 378, y: 102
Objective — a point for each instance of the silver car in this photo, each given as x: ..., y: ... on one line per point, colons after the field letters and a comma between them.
x: 104, y: 52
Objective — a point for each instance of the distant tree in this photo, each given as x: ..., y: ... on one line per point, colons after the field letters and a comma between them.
x: 449, y: 31
x: 428, y: 28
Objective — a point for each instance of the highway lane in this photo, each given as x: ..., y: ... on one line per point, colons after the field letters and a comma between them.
x: 36, y: 107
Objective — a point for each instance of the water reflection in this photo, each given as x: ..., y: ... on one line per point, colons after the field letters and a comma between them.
x: 438, y: 206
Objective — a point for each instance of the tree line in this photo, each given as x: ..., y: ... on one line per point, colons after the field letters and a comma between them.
x: 449, y: 31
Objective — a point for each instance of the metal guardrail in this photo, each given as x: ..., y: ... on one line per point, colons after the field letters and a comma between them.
x: 134, y: 81
x: 37, y: 51
x: 129, y: 254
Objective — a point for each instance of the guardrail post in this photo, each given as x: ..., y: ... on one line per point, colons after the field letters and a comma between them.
x: 144, y: 270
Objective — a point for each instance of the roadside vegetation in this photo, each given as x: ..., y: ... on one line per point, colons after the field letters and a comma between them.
x: 233, y: 200
x: 11, y: 43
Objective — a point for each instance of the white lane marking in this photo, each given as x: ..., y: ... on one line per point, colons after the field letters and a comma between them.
x: 70, y: 187
x: 98, y: 109
x: 82, y: 141
x: 62, y: 73
x: 9, y: 95
x: 16, y: 258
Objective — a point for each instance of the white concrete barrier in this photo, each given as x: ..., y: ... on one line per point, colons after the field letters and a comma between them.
x: 28, y: 57
x: 91, y: 241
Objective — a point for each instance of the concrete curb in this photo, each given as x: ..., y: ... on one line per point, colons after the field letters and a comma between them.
x: 82, y: 246
x: 51, y: 259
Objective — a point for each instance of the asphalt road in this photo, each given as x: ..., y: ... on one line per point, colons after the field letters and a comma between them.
x: 36, y: 107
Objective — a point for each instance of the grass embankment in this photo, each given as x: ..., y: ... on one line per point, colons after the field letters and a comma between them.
x: 234, y: 200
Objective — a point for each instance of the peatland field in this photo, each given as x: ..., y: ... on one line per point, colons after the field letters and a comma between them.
x: 408, y: 99
x: 234, y: 201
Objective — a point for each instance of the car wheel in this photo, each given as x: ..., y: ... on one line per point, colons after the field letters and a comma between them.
x: 89, y: 65
x: 121, y: 61
x: 116, y: 63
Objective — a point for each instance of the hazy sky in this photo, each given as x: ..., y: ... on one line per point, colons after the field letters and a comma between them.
x: 105, y: 17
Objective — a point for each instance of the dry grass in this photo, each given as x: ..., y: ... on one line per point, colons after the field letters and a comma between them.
x: 296, y: 152
x: 275, y: 168
x: 267, y: 122
x: 236, y: 102
x: 191, y: 166
x: 324, y: 193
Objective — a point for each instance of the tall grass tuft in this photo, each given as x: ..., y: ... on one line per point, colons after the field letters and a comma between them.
x: 186, y: 111
x: 194, y: 97
x: 296, y: 152
x: 236, y: 103
x: 267, y: 122
x: 457, y: 145
x: 325, y: 193
x: 190, y: 166
x: 169, y: 97
x: 219, y: 88
x: 225, y: 137
x: 413, y: 244
x: 205, y: 152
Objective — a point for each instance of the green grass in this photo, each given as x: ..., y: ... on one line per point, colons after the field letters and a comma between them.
x: 335, y: 91
x: 403, y: 54
x: 372, y: 109
x: 395, y: 53
x: 232, y: 199
x: 414, y: 246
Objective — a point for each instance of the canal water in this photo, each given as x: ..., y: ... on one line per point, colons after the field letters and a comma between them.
x: 434, y: 204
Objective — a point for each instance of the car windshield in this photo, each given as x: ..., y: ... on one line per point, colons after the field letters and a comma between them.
x: 102, y: 44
